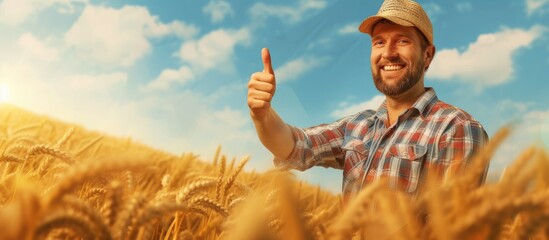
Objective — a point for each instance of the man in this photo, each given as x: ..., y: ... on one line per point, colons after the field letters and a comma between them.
x: 410, y: 135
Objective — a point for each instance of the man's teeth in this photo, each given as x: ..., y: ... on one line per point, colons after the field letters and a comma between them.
x: 392, y: 67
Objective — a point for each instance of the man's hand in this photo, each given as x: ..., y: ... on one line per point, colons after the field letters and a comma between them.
x: 273, y: 132
x: 261, y: 88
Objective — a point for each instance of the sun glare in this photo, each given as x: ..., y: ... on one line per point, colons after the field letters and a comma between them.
x: 4, y: 93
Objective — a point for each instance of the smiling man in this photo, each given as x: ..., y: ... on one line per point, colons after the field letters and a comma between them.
x: 410, y: 135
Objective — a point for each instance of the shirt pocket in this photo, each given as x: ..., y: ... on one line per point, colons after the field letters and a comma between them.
x: 405, y: 166
x: 355, y: 155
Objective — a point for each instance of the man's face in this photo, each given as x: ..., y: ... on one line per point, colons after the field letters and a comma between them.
x: 398, y: 61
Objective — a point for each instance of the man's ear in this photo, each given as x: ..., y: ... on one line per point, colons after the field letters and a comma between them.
x: 429, y: 55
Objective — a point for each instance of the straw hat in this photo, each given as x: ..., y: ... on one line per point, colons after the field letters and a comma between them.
x: 402, y: 12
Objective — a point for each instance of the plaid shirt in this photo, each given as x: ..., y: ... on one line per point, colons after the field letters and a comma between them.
x: 430, y: 136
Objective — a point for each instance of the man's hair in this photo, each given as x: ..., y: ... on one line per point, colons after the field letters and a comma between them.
x: 424, y: 43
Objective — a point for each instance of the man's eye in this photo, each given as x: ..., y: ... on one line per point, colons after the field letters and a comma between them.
x: 377, y: 43
x: 403, y: 41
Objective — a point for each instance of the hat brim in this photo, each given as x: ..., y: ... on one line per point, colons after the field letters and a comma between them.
x: 367, y: 25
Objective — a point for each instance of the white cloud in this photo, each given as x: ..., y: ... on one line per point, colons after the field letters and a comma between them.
x: 513, y: 107
x: 232, y: 128
x: 118, y: 37
x: 64, y: 6
x: 183, y: 30
x: 98, y: 82
x: 486, y: 62
x: 432, y: 9
x: 350, y: 28
x: 218, y: 10
x: 288, y: 14
x: 171, y: 76
x: 36, y: 48
x: 535, y: 6
x: 347, y: 109
x: 325, y: 42
x: 296, y: 68
x: 15, y: 12
x: 227, y: 120
x: 214, y: 50
x: 464, y: 6
x: 532, y: 128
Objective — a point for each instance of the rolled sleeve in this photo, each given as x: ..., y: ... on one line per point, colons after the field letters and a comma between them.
x: 295, y: 159
x: 316, y: 146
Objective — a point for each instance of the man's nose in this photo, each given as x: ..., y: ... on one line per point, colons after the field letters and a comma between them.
x: 389, y: 52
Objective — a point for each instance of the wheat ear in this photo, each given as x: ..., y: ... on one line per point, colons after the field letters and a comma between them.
x: 495, y: 211
x: 93, y: 217
x: 241, y: 187
x: 186, y: 192
x: 209, y: 203
x: 234, y: 203
x: 51, y: 151
x: 290, y: 209
x: 229, y: 182
x: 45, y: 165
x: 65, y: 137
x: 482, y: 158
x: 113, y: 202
x: 74, y: 221
x: 129, y: 211
x: 19, y: 148
x: 129, y: 180
x: 351, y: 218
x: 87, y: 146
x: 29, y: 139
x: 24, y: 128
x: 11, y: 158
x: 88, y: 170
x: 534, y: 223
x: 216, y: 156
x: 220, y: 178
x: 154, y: 211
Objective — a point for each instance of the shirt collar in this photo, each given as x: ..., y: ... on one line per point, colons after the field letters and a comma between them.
x: 423, y: 104
x: 426, y: 101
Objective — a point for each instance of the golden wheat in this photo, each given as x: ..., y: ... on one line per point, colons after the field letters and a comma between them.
x: 108, y: 188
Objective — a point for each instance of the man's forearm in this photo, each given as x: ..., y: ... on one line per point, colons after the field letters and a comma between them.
x: 274, y: 134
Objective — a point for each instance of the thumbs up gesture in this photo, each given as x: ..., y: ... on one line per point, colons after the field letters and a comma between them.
x: 261, y: 87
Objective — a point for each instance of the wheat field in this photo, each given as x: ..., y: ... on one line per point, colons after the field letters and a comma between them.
x: 61, y: 181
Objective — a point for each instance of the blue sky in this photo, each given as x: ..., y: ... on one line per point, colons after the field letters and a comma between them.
x: 173, y: 74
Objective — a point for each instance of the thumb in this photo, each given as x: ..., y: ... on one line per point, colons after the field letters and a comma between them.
x: 266, y: 57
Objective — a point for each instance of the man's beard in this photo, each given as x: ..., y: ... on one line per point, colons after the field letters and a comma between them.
x: 410, y: 79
